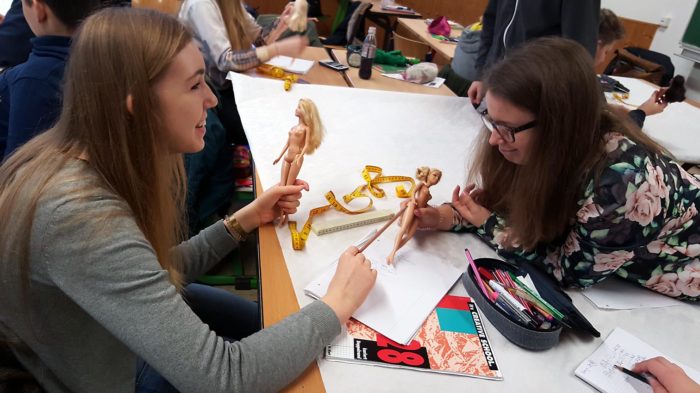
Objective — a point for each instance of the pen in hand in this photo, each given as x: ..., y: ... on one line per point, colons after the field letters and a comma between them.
x: 639, y: 377
x: 374, y: 237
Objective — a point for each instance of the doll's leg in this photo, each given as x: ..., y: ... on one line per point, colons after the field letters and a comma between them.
x: 406, y: 221
x: 285, y: 172
x: 292, y: 173
x: 294, y: 170
x: 409, y: 234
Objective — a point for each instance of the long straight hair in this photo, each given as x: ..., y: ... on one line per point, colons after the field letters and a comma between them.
x: 310, y: 117
x: 553, y: 79
x: 237, y: 24
x: 117, y: 53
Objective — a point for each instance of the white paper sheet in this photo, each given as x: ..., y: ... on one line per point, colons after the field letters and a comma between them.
x: 406, y: 292
x: 623, y: 349
x: 616, y: 294
x: 291, y: 64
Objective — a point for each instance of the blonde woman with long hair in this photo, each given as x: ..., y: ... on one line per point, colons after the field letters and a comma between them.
x: 230, y: 39
x: 93, y: 278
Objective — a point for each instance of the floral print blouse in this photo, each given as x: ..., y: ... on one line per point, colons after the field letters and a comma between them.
x: 640, y: 223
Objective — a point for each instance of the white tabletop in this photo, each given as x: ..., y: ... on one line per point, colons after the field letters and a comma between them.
x: 676, y: 128
x: 399, y: 132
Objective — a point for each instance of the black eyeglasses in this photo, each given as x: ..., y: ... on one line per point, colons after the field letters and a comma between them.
x: 505, y: 132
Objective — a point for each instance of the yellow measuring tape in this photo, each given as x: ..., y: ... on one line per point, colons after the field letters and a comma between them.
x: 372, y: 176
x: 622, y: 98
x: 278, y: 73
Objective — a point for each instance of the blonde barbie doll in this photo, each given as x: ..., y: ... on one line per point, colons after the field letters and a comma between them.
x: 304, y: 138
x: 428, y: 177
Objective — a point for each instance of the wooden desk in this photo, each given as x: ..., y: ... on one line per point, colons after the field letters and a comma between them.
x: 378, y: 82
x: 383, y: 19
x: 277, y: 294
x: 419, y: 29
x: 318, y: 74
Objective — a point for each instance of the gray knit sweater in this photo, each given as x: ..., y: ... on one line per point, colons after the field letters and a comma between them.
x: 99, y: 298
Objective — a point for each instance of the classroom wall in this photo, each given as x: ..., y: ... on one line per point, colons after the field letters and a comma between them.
x: 666, y: 40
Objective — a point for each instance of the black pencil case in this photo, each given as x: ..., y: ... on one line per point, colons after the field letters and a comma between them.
x: 517, y: 331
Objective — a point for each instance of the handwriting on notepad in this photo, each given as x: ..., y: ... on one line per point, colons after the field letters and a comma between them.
x: 616, y: 355
x: 383, y: 268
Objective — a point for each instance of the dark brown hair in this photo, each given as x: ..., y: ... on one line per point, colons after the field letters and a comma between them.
x: 553, y: 79
x: 70, y: 12
x: 610, y: 27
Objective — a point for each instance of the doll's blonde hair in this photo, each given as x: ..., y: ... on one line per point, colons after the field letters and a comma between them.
x: 298, y: 20
x: 310, y: 117
x: 423, y: 172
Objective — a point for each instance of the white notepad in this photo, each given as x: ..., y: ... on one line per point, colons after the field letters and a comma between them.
x: 292, y: 64
x: 405, y: 294
x: 626, y: 350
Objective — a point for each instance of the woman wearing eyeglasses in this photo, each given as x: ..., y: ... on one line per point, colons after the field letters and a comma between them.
x: 567, y: 183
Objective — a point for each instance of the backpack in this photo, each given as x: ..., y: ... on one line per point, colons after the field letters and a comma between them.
x: 629, y: 63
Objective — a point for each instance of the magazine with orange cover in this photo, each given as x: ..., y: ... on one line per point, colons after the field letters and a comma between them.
x: 452, y: 340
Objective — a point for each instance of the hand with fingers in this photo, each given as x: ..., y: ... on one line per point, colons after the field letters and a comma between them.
x: 466, y: 203
x: 667, y: 376
x: 654, y: 104
x: 427, y: 217
x: 476, y: 92
x: 278, y: 200
x: 349, y: 287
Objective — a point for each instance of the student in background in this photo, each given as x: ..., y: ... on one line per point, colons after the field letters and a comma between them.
x: 667, y: 376
x: 567, y: 183
x: 610, y: 31
x: 91, y: 280
x: 510, y: 23
x: 14, y: 37
x: 230, y: 40
x: 30, y: 93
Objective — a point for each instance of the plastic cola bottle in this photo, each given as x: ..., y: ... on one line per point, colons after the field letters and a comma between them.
x: 369, y: 47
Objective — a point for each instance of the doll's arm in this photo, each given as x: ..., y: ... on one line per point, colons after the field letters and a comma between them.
x: 286, y: 146
x: 418, y: 189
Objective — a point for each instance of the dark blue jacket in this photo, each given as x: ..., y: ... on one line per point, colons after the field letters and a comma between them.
x: 14, y: 37
x: 30, y: 93
x: 573, y: 19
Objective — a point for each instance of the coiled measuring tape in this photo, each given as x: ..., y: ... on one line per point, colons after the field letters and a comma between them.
x: 372, y: 176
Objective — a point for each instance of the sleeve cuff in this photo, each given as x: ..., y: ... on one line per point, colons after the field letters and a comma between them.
x: 638, y: 116
x: 219, y: 238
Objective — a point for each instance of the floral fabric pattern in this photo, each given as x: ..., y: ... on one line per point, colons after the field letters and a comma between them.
x: 639, y: 222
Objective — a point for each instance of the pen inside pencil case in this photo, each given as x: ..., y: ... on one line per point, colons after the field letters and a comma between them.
x: 497, y: 285
x: 517, y: 307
